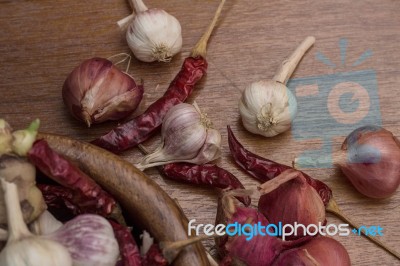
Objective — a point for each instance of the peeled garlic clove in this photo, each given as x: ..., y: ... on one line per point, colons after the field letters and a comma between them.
x: 302, y: 202
x: 5, y: 137
x: 97, y: 91
x: 319, y: 251
x: 154, y: 35
x: 369, y: 159
x: 267, y: 108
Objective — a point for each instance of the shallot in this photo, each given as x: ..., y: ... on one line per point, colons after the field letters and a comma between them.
x: 97, y: 91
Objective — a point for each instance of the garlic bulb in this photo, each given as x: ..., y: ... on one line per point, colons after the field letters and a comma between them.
x: 153, y: 35
x: 186, y: 136
x: 23, y: 139
x: 46, y: 223
x: 268, y: 107
x: 90, y: 240
x: 24, y: 248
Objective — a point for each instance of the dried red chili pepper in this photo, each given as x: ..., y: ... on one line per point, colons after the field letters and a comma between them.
x: 139, y: 129
x: 88, y: 194
x: 129, y: 251
x: 154, y: 257
x: 207, y: 174
x: 264, y: 169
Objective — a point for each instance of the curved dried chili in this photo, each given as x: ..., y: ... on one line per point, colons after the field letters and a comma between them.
x: 264, y: 169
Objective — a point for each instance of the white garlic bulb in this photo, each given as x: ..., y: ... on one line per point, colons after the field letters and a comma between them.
x: 267, y: 107
x: 186, y: 136
x: 153, y: 35
x: 23, y: 248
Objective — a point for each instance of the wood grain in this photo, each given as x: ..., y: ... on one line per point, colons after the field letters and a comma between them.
x: 42, y: 41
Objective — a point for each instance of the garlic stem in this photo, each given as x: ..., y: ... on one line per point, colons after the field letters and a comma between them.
x: 139, y: 6
x: 333, y: 208
x: 289, y: 65
x: 201, y: 47
x: 17, y: 229
x: 123, y: 23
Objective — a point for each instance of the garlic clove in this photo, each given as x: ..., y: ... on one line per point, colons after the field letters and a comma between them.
x: 46, y: 223
x: 19, y: 171
x: 23, y: 139
x: 211, y: 149
x: 154, y: 35
x: 23, y: 248
x: 267, y: 108
x: 5, y: 137
x: 97, y: 91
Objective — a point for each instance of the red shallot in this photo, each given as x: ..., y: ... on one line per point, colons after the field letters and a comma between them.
x: 97, y: 91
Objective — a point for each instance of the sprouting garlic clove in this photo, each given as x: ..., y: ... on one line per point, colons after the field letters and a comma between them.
x: 23, y: 139
x: 267, y: 108
x: 153, y: 35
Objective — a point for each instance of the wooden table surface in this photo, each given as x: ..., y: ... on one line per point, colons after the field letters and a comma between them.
x: 42, y: 41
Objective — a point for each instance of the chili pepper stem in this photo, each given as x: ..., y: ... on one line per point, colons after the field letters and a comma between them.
x: 171, y: 250
x: 201, y: 47
x: 333, y: 208
x: 288, y: 66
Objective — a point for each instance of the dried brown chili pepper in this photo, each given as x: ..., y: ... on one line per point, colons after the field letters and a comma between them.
x: 87, y: 194
x: 264, y: 169
x: 206, y: 174
x: 140, y: 128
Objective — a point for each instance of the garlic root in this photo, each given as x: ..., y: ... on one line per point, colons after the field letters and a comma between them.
x: 289, y: 65
x: 333, y: 208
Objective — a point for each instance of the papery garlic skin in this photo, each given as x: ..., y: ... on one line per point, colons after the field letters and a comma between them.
x: 90, y: 240
x: 154, y: 35
x: 97, y: 91
x: 267, y: 108
x: 35, y: 252
x: 186, y: 136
